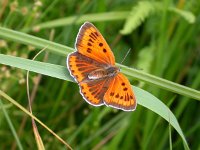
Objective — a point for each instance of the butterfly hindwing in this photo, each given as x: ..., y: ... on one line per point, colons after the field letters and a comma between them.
x: 94, y: 91
x: 91, y: 43
x: 120, y: 94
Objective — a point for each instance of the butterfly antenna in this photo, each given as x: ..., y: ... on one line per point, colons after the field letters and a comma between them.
x: 126, y: 55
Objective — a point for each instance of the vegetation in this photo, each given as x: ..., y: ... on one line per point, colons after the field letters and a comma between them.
x: 165, y: 52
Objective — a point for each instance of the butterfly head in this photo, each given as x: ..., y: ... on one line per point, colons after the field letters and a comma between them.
x: 112, y: 71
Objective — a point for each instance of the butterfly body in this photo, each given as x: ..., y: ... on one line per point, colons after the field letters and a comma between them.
x: 105, y: 72
x: 93, y: 68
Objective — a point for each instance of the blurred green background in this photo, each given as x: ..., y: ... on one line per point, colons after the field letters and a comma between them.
x: 164, y: 37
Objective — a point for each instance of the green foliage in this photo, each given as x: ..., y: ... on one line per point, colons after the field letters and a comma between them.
x: 9, y: 121
x: 144, y: 98
x: 165, y: 45
x: 145, y: 9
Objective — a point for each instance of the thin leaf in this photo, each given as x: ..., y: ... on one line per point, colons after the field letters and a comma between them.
x: 32, y: 116
x: 96, y: 17
x: 38, y: 139
x: 34, y: 41
x: 10, y: 124
x: 64, y: 50
x: 188, y: 16
x: 144, y: 98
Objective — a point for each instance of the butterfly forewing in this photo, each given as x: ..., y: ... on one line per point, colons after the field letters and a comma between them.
x: 91, y: 43
x: 80, y: 66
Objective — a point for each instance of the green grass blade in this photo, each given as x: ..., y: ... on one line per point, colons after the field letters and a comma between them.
x: 32, y: 116
x: 144, y: 98
x: 135, y: 17
x: 188, y: 16
x: 34, y: 41
x: 162, y: 83
x: 64, y: 50
x: 52, y: 70
x: 108, y: 16
x: 11, y: 126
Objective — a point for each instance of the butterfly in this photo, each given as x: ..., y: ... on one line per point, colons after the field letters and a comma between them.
x: 92, y: 66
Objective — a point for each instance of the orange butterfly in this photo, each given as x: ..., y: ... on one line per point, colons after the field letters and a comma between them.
x: 93, y: 68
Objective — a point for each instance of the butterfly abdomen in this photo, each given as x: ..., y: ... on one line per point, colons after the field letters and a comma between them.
x: 103, y: 73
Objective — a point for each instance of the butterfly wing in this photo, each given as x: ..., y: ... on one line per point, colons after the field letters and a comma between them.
x: 91, y: 43
x: 94, y: 91
x: 80, y: 66
x: 120, y: 94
